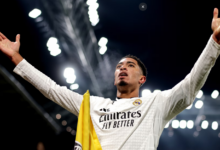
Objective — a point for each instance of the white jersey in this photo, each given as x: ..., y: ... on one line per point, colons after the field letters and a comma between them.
x: 135, y: 123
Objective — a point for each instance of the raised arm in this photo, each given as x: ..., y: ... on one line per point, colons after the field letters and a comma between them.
x: 59, y: 94
x: 175, y: 100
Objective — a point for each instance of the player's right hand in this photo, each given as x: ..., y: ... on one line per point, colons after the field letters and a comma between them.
x: 9, y: 48
x: 216, y: 26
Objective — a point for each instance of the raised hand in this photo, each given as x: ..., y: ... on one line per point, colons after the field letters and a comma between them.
x: 216, y: 26
x: 9, y: 48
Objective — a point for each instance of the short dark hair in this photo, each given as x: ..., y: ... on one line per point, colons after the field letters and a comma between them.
x: 140, y: 63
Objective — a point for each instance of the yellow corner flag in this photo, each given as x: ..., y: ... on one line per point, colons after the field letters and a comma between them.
x: 86, y: 138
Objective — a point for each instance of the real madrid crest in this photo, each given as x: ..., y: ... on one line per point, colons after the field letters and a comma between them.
x: 137, y: 102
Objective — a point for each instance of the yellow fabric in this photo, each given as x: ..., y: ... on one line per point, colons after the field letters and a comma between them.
x: 85, y: 133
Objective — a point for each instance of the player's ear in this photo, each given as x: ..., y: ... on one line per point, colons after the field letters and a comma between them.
x: 142, y: 80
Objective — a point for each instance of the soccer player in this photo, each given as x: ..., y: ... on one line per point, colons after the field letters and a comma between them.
x: 131, y: 122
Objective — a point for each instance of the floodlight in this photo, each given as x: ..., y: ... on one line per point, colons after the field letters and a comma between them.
x: 103, y: 41
x: 55, y: 52
x: 68, y: 129
x: 51, y: 41
x: 93, y: 6
x: 215, y: 94
x: 68, y: 72
x: 71, y: 79
x: 183, y: 124
x: 58, y: 116
x: 199, y: 95
x: 205, y: 124
x: 156, y: 91
x: 199, y: 104
x: 94, y: 22
x: 190, y: 124
x: 175, y: 124
x: 53, y: 46
x: 91, y: 2
x: 64, y: 122
x: 102, y: 50
x: 74, y: 86
x: 34, y: 13
x: 145, y: 92
x: 93, y: 14
x: 215, y: 125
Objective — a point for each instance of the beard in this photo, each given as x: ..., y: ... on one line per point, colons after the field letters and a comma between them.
x: 122, y: 83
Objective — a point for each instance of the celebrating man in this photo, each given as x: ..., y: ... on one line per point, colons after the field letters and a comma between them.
x: 130, y: 122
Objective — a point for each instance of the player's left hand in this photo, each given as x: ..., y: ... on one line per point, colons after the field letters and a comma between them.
x: 216, y: 26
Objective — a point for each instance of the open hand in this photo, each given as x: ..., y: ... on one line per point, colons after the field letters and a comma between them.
x: 9, y: 48
x: 216, y: 26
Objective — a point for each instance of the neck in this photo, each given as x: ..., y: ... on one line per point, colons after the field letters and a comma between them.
x: 125, y: 92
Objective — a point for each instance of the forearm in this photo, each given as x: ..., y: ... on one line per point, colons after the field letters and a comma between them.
x: 59, y: 94
x: 16, y: 59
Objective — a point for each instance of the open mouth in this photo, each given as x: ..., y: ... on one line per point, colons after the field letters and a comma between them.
x: 123, y: 74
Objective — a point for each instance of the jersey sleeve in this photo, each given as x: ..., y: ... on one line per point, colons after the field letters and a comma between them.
x: 175, y: 100
x: 64, y: 97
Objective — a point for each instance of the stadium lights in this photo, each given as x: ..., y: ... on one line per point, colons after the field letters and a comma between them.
x: 145, y: 92
x: 92, y: 11
x: 215, y: 125
x: 90, y: 2
x: 103, y: 41
x: 205, y: 124
x: 199, y: 95
x: 183, y: 124
x: 199, y: 104
x: 74, y: 86
x: 68, y: 129
x: 189, y: 107
x: 71, y: 79
x: 93, y: 6
x: 175, y: 124
x: 69, y: 74
x: 156, y: 91
x: 64, y: 122
x: 51, y: 41
x: 102, y: 50
x: 58, y: 116
x: 93, y: 15
x: 190, y: 124
x: 214, y: 94
x: 34, y: 13
x: 53, y: 47
x: 55, y: 52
